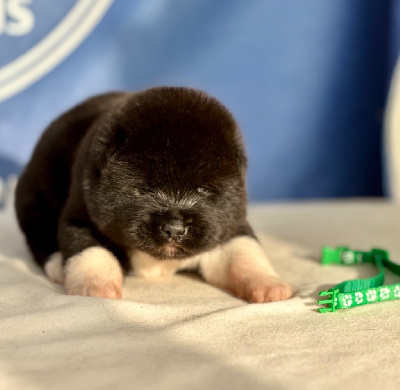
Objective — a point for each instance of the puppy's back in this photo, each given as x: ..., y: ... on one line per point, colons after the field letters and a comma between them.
x: 43, y: 187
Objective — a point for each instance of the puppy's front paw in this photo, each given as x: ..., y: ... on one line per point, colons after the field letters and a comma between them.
x: 93, y: 288
x: 95, y: 272
x: 260, y: 288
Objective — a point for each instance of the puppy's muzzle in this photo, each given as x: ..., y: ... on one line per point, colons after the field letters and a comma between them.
x: 174, y: 230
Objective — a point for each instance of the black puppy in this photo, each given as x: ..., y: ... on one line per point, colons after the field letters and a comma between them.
x: 153, y: 180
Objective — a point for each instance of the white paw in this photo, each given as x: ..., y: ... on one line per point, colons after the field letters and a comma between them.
x: 241, y: 267
x: 252, y: 283
x: 261, y: 290
x: 108, y: 290
x: 54, y: 268
x: 95, y: 272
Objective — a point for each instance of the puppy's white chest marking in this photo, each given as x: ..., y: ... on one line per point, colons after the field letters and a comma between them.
x: 214, y: 264
x: 146, y: 266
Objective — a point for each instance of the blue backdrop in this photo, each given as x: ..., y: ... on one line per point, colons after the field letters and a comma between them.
x: 307, y: 80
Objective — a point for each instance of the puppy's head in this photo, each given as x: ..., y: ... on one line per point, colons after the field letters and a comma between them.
x: 166, y: 173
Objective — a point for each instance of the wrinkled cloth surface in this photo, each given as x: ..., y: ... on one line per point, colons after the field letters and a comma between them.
x: 181, y: 333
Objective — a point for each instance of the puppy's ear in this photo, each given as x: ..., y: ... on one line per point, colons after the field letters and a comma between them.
x: 105, y: 145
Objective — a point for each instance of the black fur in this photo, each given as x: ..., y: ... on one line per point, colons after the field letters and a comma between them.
x: 123, y: 170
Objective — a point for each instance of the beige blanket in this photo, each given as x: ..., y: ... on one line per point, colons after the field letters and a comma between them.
x: 181, y: 333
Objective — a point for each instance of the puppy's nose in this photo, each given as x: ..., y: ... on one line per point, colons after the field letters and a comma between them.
x: 174, y: 229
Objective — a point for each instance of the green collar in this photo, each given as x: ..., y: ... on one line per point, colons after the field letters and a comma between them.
x: 358, y: 292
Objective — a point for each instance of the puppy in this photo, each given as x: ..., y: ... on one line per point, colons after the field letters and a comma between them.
x: 153, y: 181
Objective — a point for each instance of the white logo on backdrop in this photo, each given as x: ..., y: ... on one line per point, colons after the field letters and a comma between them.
x: 17, y: 19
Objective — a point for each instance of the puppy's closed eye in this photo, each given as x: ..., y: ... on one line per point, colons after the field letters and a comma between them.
x: 145, y: 190
x: 207, y: 190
